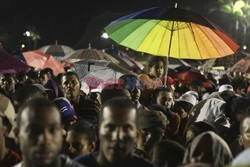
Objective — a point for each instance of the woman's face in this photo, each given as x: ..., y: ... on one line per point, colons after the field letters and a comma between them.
x: 157, y: 70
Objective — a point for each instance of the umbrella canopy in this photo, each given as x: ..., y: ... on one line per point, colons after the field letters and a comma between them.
x: 125, y: 60
x: 40, y: 60
x: 58, y: 51
x: 242, y: 65
x: 90, y: 54
x: 99, y: 70
x: 10, y: 64
x: 172, y: 32
x: 226, y: 62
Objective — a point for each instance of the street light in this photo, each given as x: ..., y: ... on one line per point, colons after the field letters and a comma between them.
x: 105, y: 35
x: 27, y: 33
x: 244, y: 47
x: 23, y: 46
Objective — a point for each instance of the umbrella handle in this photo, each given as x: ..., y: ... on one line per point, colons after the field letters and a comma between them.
x: 167, y: 60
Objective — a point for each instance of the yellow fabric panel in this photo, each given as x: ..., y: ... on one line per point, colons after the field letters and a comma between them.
x: 219, y: 44
x: 206, y: 46
x: 152, y: 41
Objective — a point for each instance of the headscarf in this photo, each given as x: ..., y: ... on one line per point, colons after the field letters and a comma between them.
x: 220, y: 152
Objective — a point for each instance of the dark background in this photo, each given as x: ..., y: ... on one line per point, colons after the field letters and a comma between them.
x: 69, y: 22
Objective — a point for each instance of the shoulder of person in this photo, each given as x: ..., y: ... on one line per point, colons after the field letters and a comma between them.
x: 18, y: 165
x: 69, y: 163
x: 143, y: 76
x: 86, y: 160
x: 138, y: 161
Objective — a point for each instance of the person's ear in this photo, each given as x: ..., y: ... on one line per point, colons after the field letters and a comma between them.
x: 138, y: 134
x: 16, y: 134
x: 240, y: 140
x: 92, y: 147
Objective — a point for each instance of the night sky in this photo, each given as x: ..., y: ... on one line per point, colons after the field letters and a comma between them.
x: 67, y: 21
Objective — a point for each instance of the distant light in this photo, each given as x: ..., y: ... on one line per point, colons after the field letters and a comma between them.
x: 105, y: 35
x: 244, y: 47
x: 27, y: 33
x: 23, y: 46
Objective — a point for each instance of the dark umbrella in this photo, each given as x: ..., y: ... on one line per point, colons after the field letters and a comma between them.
x: 10, y: 64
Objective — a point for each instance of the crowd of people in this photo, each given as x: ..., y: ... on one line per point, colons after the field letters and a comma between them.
x: 48, y: 121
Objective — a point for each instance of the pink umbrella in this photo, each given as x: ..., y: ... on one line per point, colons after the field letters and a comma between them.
x: 41, y: 60
x: 10, y: 64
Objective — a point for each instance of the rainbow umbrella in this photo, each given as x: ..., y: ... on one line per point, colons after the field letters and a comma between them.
x: 171, y: 32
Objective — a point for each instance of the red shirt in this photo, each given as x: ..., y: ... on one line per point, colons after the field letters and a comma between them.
x: 12, y: 158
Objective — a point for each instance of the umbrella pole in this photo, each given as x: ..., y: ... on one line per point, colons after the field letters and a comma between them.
x: 167, y: 60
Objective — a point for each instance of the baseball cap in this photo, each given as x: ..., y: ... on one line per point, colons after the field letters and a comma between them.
x: 66, y: 110
x: 194, y: 93
x: 189, y: 98
x: 225, y: 87
x: 41, y: 87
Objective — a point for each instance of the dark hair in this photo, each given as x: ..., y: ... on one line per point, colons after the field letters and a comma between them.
x: 200, y: 127
x: 238, y: 105
x: 70, y: 73
x: 169, y: 152
x: 37, y: 104
x: 117, y: 102
x: 158, y: 90
x: 239, y: 83
x: 154, y: 60
x: 84, y: 127
x: 125, y: 80
x: 112, y: 91
x: 24, y: 92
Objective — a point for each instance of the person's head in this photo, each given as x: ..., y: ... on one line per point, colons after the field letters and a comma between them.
x: 240, y: 86
x: 208, y: 148
x: 112, y: 91
x: 156, y: 66
x: 8, y: 83
x: 152, y: 125
x: 81, y: 139
x: 184, y: 104
x: 245, y: 132
x: 43, y: 77
x: 118, y: 129
x: 71, y: 86
x: 39, y: 132
x: 131, y: 83
x: 237, y: 108
x: 197, y: 86
x: 168, y: 153
x: 7, y: 116
x: 67, y: 112
x: 164, y: 97
x: 32, y: 77
x: 24, y: 94
x: 196, y: 129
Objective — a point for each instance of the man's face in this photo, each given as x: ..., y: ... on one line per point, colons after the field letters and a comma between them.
x: 117, y: 133
x: 246, y: 132
x: 165, y: 99
x: 8, y: 84
x: 157, y: 70
x: 147, y: 139
x: 78, y: 144
x: 71, y: 86
x: 43, y: 79
x: 135, y: 94
x: 40, y: 136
